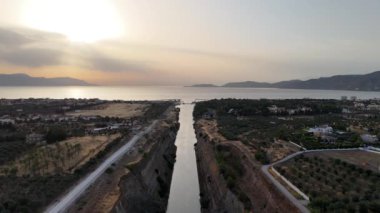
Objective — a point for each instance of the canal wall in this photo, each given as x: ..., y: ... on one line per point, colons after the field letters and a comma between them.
x: 146, y: 187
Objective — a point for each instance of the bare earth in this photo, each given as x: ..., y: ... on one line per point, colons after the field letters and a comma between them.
x: 277, y: 151
x: 121, y: 110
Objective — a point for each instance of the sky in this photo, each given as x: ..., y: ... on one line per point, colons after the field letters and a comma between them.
x: 182, y: 42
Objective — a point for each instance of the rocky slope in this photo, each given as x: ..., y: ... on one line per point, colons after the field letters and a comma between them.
x: 146, y: 187
x: 231, y: 179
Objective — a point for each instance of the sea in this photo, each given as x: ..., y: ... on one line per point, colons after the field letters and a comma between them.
x: 175, y: 92
x: 184, y: 191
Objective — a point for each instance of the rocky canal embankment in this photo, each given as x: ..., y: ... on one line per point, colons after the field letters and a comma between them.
x: 230, y: 178
x: 146, y: 187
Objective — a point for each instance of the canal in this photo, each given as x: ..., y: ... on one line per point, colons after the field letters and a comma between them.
x: 184, y: 190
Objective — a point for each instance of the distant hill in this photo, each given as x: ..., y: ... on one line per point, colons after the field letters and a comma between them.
x: 248, y: 84
x: 367, y: 82
x: 26, y: 80
x: 203, y: 85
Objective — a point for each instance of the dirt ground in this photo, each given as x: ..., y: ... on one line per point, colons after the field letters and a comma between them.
x: 121, y: 110
x: 366, y: 160
x: 211, y: 129
x: 64, y: 156
x: 278, y: 150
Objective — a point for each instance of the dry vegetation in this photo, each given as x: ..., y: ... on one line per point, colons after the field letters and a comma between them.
x: 64, y: 156
x: 120, y: 110
x: 210, y: 128
x: 279, y: 149
x: 275, y: 151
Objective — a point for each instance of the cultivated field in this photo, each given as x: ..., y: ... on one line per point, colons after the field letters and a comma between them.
x: 335, y: 181
x: 120, y: 110
x: 366, y: 160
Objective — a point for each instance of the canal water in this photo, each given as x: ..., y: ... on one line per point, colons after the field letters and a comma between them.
x: 184, y: 192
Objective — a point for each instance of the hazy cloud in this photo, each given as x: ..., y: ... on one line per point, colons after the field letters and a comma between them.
x: 33, y: 48
x: 9, y: 38
x: 32, y: 57
x: 20, y: 49
x: 116, y: 65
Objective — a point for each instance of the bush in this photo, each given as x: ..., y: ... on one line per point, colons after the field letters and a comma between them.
x: 109, y: 170
x: 164, y: 188
x: 205, y: 202
x: 230, y: 182
x: 262, y: 157
x: 56, y: 134
x: 374, y: 206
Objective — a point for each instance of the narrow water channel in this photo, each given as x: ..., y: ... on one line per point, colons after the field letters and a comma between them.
x: 184, y: 190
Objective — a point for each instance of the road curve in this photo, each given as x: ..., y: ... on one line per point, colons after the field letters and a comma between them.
x: 67, y: 200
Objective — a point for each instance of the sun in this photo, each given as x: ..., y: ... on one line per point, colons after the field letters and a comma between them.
x: 79, y: 20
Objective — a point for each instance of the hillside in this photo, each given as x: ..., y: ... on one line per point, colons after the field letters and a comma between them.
x: 367, y: 82
x: 26, y: 80
x: 203, y: 85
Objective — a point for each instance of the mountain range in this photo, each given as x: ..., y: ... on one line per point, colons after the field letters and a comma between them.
x: 26, y: 80
x: 366, y: 82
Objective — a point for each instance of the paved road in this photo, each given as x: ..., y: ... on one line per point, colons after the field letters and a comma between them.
x: 284, y: 191
x: 65, y: 202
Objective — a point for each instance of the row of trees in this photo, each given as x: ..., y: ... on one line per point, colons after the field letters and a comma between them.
x: 50, y: 159
x: 332, y: 182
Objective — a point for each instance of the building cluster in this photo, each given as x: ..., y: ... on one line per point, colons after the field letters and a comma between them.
x: 112, y: 127
x: 327, y: 134
x: 69, y: 102
x: 292, y: 111
x: 360, y: 106
x: 34, y: 123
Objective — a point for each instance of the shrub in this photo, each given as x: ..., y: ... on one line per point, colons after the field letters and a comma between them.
x: 262, y: 157
x: 56, y: 134
x: 109, y: 170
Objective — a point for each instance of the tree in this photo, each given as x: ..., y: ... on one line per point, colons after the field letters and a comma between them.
x: 363, y: 208
x: 261, y: 156
x: 56, y: 134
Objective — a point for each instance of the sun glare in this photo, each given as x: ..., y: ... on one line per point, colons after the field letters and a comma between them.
x: 79, y: 20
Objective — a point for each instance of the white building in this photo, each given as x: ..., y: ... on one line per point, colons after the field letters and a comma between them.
x: 359, y: 105
x: 306, y: 109
x: 7, y: 121
x: 367, y: 138
x: 275, y: 109
x: 373, y: 107
x: 321, y: 130
x: 35, y: 138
